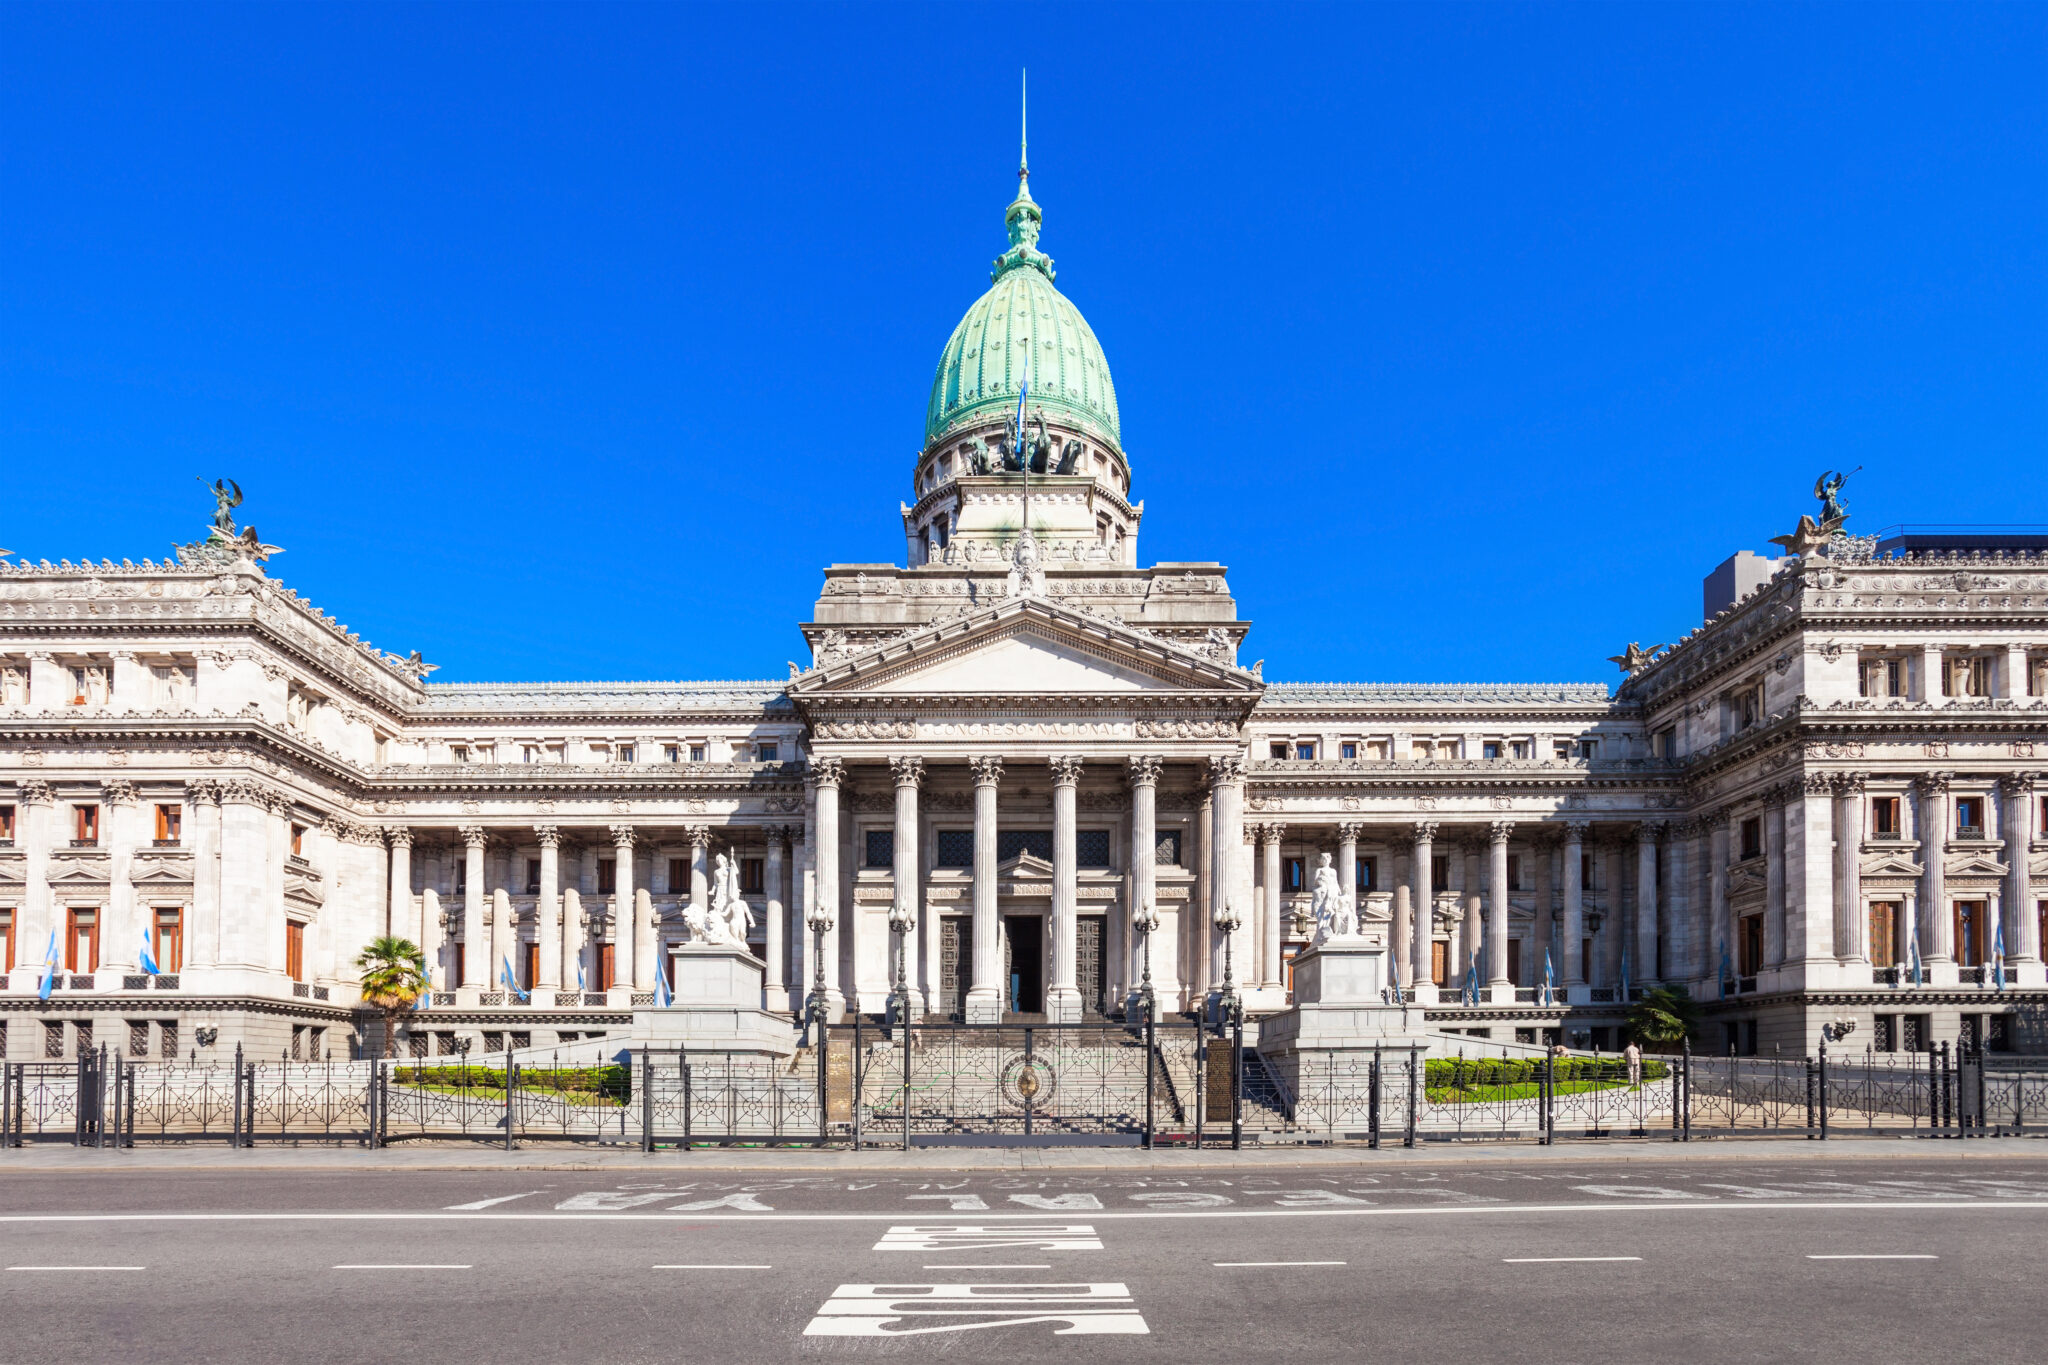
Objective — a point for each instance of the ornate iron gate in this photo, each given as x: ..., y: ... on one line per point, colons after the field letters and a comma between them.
x: 956, y: 960
x: 1088, y: 963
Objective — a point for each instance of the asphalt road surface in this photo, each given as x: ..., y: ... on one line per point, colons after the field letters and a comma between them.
x: 1870, y: 1260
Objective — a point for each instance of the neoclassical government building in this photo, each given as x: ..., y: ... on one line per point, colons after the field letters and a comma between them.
x: 1823, y: 805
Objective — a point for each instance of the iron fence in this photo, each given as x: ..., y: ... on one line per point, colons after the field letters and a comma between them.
x: 1171, y: 1083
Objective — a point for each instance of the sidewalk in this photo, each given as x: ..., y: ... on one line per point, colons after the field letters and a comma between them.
x: 64, y: 1159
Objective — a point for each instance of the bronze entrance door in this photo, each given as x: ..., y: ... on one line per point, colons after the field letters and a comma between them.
x: 956, y: 964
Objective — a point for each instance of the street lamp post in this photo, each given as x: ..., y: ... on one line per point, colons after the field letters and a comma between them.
x: 816, y: 1010
x: 1229, y: 1008
x: 1146, y: 922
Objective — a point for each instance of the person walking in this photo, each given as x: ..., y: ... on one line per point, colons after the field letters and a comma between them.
x: 1634, y: 1056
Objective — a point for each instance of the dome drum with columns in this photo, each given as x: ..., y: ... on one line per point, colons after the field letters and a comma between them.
x: 1046, y: 762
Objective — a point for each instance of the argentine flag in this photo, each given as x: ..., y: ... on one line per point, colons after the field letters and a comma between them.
x: 148, y: 958
x: 1998, y: 955
x: 505, y: 976
x: 1549, y: 978
x: 49, y: 968
x: 662, y: 996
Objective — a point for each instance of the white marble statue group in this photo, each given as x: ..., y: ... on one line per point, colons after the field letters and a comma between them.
x: 1334, y: 913
x: 726, y: 922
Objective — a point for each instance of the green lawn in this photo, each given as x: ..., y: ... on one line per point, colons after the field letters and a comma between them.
x: 1522, y: 1090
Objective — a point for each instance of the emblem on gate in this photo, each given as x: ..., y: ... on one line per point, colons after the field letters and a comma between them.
x: 1027, y: 1082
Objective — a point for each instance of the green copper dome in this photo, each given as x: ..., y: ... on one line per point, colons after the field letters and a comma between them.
x: 1022, y: 324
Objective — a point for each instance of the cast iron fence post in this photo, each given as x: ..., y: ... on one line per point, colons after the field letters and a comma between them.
x: 824, y: 1099
x: 1201, y: 1079
x: 1685, y: 1108
x: 235, y: 1116
x: 511, y: 1085
x: 1414, y: 1093
x: 1811, y: 1077
x: 1948, y: 1108
x: 1148, y: 1076
x: 647, y: 1102
x: 685, y: 1074
x: 1823, y: 1089
x: 1372, y: 1101
x: 903, y: 1021
x: 1237, y: 1079
x: 859, y: 1075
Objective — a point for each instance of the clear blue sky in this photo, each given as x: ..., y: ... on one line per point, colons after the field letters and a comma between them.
x: 572, y: 342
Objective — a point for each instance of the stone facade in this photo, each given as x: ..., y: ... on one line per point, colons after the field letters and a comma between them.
x: 1823, y: 805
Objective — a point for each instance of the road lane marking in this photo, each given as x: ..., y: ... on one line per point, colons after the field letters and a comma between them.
x: 984, y: 1237
x: 1006, y: 1266
x: 486, y: 1203
x: 1227, y: 1265
x: 1148, y: 1215
x: 713, y: 1267
x: 1561, y: 1260
x: 77, y: 1267
x: 403, y: 1267
x: 1877, y: 1256
x: 899, y: 1310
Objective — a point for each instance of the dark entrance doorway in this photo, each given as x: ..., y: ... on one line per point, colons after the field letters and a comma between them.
x: 1024, y: 964
x: 956, y: 962
x: 1088, y: 963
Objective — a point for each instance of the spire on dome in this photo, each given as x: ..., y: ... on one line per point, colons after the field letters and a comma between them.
x: 1024, y: 219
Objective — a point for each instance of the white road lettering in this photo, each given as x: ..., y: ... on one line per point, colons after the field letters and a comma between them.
x: 959, y: 1203
x: 891, y: 1310
x: 1181, y: 1199
x: 744, y: 1201
x: 1562, y: 1260
x: 1313, y: 1199
x: 610, y: 1201
x: 1636, y: 1192
x: 1057, y: 1201
x: 990, y: 1237
x: 1876, y: 1256
x: 487, y: 1203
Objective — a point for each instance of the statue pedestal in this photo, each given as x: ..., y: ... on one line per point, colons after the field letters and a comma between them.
x: 718, y: 992
x: 1337, y: 1010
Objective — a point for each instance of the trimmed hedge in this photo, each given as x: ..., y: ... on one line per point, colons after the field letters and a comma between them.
x: 611, y: 1081
x: 1493, y: 1071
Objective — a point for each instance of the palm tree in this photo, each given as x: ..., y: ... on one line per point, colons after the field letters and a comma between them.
x: 394, y: 978
x: 1665, y: 1017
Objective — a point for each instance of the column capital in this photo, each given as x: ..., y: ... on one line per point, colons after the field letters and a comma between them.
x: 1499, y: 830
x: 1848, y: 784
x: 119, y: 792
x: 987, y: 769
x: 698, y: 835
x: 1654, y: 831
x: 473, y: 835
x: 828, y: 772
x: 623, y: 836
x: 1066, y: 769
x: 1225, y: 769
x: 398, y: 836
x: 548, y: 836
x: 1267, y: 832
x: 1575, y: 830
x: 1142, y: 770
x: 1932, y: 784
x: 907, y: 769
x: 1425, y: 830
x: 779, y: 834
x: 1350, y: 830
x: 200, y: 791
x: 2013, y: 786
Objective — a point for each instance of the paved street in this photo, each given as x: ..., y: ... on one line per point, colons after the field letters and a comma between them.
x: 1860, y: 1254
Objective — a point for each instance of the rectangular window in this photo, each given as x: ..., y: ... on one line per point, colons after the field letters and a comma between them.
x: 751, y: 876
x: 1166, y: 848
x: 1518, y: 748
x: 298, y: 841
x: 169, y: 823
x: 881, y: 848
x: 295, y: 950
x: 170, y: 939
x: 1440, y: 962
x: 607, y: 876
x: 1884, y: 817
x: 6, y: 825
x: 529, y: 965
x: 1348, y: 749
x: 81, y: 940
x: 167, y: 1039
x: 1439, y: 873
x: 678, y: 876
x: 1305, y: 749
x: 956, y: 848
x: 458, y: 753
x: 696, y: 753
x: 607, y: 968
x: 671, y: 753
x: 1514, y: 871
x: 1490, y: 749
x: 626, y: 753
x: 6, y: 941
x: 533, y: 876
x: 1091, y: 848
x: 1011, y: 842
x: 1969, y: 817
x: 1752, y: 839
x: 1368, y: 875
x: 1749, y: 706
x: 1749, y: 946
x: 1561, y: 750
x: 1664, y: 743
x: 1589, y: 749
x: 769, y: 753
x: 85, y: 826
x: 1278, y: 749
x: 1884, y: 1033
x: 1292, y: 870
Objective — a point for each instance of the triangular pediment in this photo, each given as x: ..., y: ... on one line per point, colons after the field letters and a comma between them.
x: 1029, y: 647
x: 1027, y: 865
x: 1891, y: 865
x: 1976, y: 865
x: 81, y: 872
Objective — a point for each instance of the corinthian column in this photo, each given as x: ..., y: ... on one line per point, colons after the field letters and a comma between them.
x: 1270, y: 835
x: 1643, y: 957
x: 1063, y: 1001
x: 631, y: 973
x: 1141, y: 772
x: 1226, y: 844
x: 476, y: 946
x: 1937, y: 931
x: 775, y: 916
x: 1497, y: 912
x: 907, y: 771
x: 984, y: 1004
x: 547, y: 913
x: 826, y: 776
x: 399, y: 920
x: 1423, y: 910
x: 2022, y: 919
x: 1852, y: 922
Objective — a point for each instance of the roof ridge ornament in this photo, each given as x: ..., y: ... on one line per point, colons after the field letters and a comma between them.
x: 1023, y: 219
